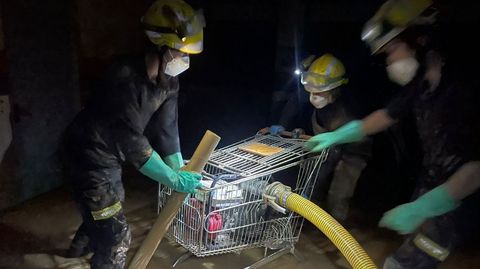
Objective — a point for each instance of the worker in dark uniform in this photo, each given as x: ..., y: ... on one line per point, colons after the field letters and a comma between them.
x: 132, y: 118
x: 445, y: 211
x: 325, y: 80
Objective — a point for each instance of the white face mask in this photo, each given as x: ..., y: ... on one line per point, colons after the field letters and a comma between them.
x: 403, y: 71
x: 177, y: 66
x: 318, y: 101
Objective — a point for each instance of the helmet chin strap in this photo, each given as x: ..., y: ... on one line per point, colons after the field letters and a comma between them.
x: 152, y: 65
x: 155, y: 61
x: 433, y: 72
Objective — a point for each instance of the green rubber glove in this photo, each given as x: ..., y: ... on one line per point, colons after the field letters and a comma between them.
x: 181, y: 181
x: 408, y: 217
x: 175, y: 160
x: 350, y: 132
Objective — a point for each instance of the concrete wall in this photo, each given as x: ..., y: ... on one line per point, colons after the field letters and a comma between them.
x: 6, y: 186
x: 44, y: 88
x: 109, y: 27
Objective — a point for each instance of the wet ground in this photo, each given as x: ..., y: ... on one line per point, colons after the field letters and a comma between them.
x: 47, y: 223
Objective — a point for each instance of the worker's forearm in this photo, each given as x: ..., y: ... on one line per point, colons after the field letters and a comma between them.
x: 377, y: 122
x: 465, y: 181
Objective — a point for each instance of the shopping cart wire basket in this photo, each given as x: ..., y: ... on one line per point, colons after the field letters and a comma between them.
x: 230, y: 213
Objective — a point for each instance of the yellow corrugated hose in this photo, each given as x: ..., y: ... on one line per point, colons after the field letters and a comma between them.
x: 353, y: 252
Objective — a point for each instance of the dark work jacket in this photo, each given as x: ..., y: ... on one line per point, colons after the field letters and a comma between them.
x: 446, y: 118
x: 127, y: 117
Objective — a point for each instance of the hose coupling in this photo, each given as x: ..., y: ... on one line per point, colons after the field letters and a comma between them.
x: 279, y: 191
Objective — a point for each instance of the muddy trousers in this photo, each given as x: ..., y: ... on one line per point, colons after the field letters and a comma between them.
x: 104, y: 230
x: 438, y: 237
x: 346, y: 169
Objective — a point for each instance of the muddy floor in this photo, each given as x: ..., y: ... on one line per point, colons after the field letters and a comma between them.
x: 47, y: 223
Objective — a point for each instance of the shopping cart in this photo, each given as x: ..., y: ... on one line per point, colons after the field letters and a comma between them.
x: 231, y: 213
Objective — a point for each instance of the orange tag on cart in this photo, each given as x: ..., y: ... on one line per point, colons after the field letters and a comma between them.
x: 261, y: 149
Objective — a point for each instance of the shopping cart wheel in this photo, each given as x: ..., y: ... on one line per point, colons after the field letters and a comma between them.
x: 277, y: 254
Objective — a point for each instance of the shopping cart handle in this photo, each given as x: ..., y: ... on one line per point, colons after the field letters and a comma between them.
x: 288, y: 134
x: 264, y: 131
x: 293, y: 135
